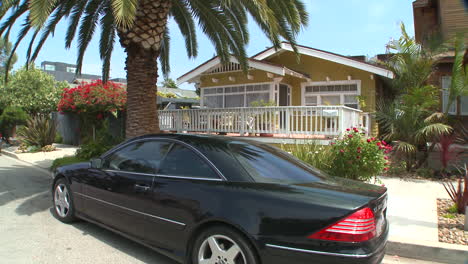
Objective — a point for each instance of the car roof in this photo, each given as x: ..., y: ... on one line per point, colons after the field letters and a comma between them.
x: 197, y: 138
x: 214, y: 148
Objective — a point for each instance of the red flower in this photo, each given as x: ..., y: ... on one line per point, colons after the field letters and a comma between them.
x: 378, y: 143
x: 99, y: 116
x: 358, y: 157
x: 350, y: 136
x: 333, y: 143
x: 342, y: 150
x: 385, y: 143
x: 359, y: 148
x: 385, y: 169
x: 368, y: 141
x: 373, y: 138
x: 348, y: 129
x: 385, y: 158
x: 358, y: 151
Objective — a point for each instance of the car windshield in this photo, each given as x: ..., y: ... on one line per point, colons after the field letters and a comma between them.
x: 271, y: 165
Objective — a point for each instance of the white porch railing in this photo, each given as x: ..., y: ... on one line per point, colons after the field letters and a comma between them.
x: 289, y: 120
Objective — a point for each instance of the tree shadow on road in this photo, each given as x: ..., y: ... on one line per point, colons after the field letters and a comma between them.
x: 19, y: 182
x: 123, y: 244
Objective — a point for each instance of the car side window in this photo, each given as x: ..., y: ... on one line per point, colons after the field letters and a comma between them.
x: 183, y: 162
x: 141, y: 157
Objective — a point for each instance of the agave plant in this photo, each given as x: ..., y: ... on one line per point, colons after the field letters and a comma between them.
x: 141, y: 28
x: 459, y: 194
x: 39, y: 131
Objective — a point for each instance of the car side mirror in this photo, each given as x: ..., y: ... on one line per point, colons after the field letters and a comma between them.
x: 96, y: 163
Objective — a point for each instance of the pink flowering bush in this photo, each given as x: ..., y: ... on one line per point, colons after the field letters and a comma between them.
x: 357, y: 157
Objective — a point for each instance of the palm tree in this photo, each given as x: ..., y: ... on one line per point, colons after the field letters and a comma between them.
x: 141, y: 28
x: 411, y: 120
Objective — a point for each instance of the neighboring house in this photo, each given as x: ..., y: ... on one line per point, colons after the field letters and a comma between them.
x: 320, y: 80
x: 67, y: 72
x: 444, y: 19
x: 183, y: 99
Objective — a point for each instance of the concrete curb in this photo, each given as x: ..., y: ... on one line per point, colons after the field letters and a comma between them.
x: 14, y: 156
x: 429, y: 251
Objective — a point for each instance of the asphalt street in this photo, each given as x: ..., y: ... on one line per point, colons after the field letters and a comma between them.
x: 30, y: 234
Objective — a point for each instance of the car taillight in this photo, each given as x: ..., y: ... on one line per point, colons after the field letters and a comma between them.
x: 358, y: 227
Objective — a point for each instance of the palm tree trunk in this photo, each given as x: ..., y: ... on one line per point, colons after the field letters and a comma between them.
x: 142, y: 42
x: 142, y: 75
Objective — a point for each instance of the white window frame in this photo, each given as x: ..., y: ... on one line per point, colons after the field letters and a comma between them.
x: 270, y: 92
x: 445, y: 96
x: 71, y: 69
x: 49, y: 65
x: 319, y: 95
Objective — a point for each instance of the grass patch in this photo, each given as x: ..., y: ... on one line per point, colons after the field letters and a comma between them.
x: 453, y: 209
x: 65, y: 161
x: 450, y: 216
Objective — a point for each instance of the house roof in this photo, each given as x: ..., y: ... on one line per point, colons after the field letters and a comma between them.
x: 325, y: 55
x: 252, y: 63
x: 180, y: 93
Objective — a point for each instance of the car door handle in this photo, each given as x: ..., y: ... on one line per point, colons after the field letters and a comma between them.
x: 141, y: 187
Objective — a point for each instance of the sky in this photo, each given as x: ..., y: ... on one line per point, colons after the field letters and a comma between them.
x: 347, y: 27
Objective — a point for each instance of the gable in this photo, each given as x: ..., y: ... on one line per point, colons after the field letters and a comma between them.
x: 324, y: 55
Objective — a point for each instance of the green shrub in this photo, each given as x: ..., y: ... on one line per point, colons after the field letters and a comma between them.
x: 357, y: 157
x: 311, y: 153
x: 58, y: 138
x: 449, y: 216
x: 425, y: 173
x: 95, y: 148
x: 39, y: 131
x: 65, y: 161
x: 11, y: 117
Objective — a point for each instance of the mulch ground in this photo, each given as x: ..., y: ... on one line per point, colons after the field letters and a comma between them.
x: 450, y: 230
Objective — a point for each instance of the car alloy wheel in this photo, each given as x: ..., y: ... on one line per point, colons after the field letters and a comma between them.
x: 219, y: 249
x: 62, y: 200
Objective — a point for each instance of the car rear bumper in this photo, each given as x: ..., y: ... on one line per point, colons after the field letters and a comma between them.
x: 280, y: 254
x: 275, y: 254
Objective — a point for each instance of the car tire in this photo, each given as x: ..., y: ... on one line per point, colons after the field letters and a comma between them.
x: 230, y: 247
x: 62, y: 200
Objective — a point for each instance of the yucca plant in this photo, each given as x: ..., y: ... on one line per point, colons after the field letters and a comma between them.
x: 39, y: 131
x: 459, y: 194
x: 141, y: 28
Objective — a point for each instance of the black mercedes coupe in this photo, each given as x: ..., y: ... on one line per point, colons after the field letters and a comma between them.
x: 217, y: 200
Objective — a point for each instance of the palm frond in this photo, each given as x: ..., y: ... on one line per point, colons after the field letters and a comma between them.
x: 164, y: 55
x: 124, y: 12
x: 87, y: 27
x: 184, y: 20
x: 106, y: 44
x: 22, y: 33
x: 432, y: 131
x: 404, y: 147
x: 39, y: 11
x: 74, y: 20
x: 55, y: 18
x: 10, y: 21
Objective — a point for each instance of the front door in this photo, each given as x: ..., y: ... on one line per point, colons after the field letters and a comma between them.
x: 284, y: 98
x: 284, y: 95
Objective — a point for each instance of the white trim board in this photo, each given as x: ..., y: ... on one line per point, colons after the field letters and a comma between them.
x: 329, y: 57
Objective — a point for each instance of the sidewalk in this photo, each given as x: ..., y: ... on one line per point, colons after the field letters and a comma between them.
x: 42, y: 160
x: 412, y: 212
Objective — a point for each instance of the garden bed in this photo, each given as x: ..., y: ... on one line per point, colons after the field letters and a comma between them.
x: 450, y: 224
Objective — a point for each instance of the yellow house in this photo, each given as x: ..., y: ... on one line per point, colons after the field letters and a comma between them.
x: 306, y: 88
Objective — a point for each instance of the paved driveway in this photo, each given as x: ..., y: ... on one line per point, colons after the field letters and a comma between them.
x: 30, y: 234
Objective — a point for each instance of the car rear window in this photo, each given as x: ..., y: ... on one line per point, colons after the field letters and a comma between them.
x: 271, y: 165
